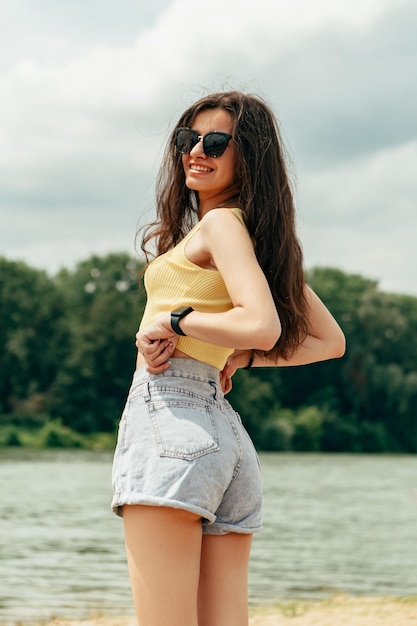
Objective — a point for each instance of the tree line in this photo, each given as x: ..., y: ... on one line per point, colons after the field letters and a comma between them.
x: 67, y: 356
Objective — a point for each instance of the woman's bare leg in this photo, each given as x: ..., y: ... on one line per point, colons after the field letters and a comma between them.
x: 223, y: 591
x: 163, y: 551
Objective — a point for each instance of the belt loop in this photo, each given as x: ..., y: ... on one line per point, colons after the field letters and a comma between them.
x: 213, y: 384
x: 146, y: 392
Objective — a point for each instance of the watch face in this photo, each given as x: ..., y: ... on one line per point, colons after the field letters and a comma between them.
x: 181, y: 311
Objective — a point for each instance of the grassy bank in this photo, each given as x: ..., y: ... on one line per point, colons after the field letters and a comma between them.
x: 340, y: 610
x: 53, y: 434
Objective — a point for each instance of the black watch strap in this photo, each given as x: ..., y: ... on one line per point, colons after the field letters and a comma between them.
x: 177, y: 315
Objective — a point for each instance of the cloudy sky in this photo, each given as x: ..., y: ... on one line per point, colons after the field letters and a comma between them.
x: 90, y: 89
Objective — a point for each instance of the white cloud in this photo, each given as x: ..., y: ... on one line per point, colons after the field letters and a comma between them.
x: 366, y: 185
x: 82, y: 132
x: 357, y: 215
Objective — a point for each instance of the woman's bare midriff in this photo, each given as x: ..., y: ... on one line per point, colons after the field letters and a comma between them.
x: 177, y: 354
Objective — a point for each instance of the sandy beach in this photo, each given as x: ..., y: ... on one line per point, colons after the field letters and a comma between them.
x: 338, y: 611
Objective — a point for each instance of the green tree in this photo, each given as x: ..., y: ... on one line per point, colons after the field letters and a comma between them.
x: 381, y: 367
x: 368, y: 399
x: 104, y: 302
x: 67, y: 355
x: 324, y: 384
x: 255, y: 400
x: 31, y: 312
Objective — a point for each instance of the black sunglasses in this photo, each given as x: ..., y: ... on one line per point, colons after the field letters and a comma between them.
x: 214, y: 143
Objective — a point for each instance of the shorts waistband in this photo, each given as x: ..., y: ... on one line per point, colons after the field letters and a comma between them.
x: 189, y: 371
x: 184, y: 367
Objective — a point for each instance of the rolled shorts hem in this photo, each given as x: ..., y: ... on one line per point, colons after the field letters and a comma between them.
x: 210, y: 525
x: 132, y: 499
x: 217, y: 528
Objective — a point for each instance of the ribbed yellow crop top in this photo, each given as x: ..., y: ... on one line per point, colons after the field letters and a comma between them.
x: 171, y: 280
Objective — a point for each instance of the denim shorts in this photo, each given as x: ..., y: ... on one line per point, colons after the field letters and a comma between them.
x: 181, y: 444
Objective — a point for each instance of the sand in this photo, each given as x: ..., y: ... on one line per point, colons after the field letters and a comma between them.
x: 338, y: 611
x: 342, y: 611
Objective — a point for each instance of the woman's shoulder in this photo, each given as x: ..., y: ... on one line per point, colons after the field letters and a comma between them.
x: 223, y: 224
x: 222, y: 214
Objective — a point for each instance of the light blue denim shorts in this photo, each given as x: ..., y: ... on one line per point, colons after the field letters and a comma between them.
x: 181, y: 444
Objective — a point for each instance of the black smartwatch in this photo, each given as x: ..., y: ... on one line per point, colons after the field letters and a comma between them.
x: 177, y: 315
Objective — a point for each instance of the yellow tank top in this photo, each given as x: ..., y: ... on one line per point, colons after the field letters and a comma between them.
x: 171, y: 280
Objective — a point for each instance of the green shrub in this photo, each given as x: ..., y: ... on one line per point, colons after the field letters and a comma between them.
x: 374, y: 437
x: 339, y: 434
x: 9, y: 436
x: 55, y: 435
x: 276, y: 434
x: 308, y: 430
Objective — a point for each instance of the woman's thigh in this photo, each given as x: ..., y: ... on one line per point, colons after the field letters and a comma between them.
x: 163, y: 550
x: 223, y: 589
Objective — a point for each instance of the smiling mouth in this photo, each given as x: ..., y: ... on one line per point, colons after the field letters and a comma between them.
x: 200, y: 168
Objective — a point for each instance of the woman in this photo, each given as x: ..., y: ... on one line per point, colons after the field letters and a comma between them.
x: 225, y: 291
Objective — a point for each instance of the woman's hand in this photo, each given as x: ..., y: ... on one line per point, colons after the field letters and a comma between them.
x: 238, y: 359
x: 156, y: 343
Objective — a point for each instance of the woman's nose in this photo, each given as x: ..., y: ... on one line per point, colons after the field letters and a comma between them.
x: 198, y: 149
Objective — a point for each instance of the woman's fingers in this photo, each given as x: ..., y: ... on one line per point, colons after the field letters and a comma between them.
x: 225, y: 380
x: 228, y: 385
x: 156, y: 354
x: 158, y: 370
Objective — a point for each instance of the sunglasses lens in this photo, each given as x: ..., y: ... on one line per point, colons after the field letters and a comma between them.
x: 214, y: 144
x: 185, y: 140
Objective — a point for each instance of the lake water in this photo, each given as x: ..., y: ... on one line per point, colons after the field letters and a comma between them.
x: 332, y: 523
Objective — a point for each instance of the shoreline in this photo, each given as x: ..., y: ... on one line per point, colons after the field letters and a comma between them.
x: 340, y: 610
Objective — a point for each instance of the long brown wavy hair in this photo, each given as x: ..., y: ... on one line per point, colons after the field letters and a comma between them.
x: 264, y: 196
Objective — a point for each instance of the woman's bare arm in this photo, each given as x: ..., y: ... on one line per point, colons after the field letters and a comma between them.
x: 253, y: 321
x: 325, y: 340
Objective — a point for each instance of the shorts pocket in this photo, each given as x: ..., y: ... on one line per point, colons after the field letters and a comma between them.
x: 183, y: 430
